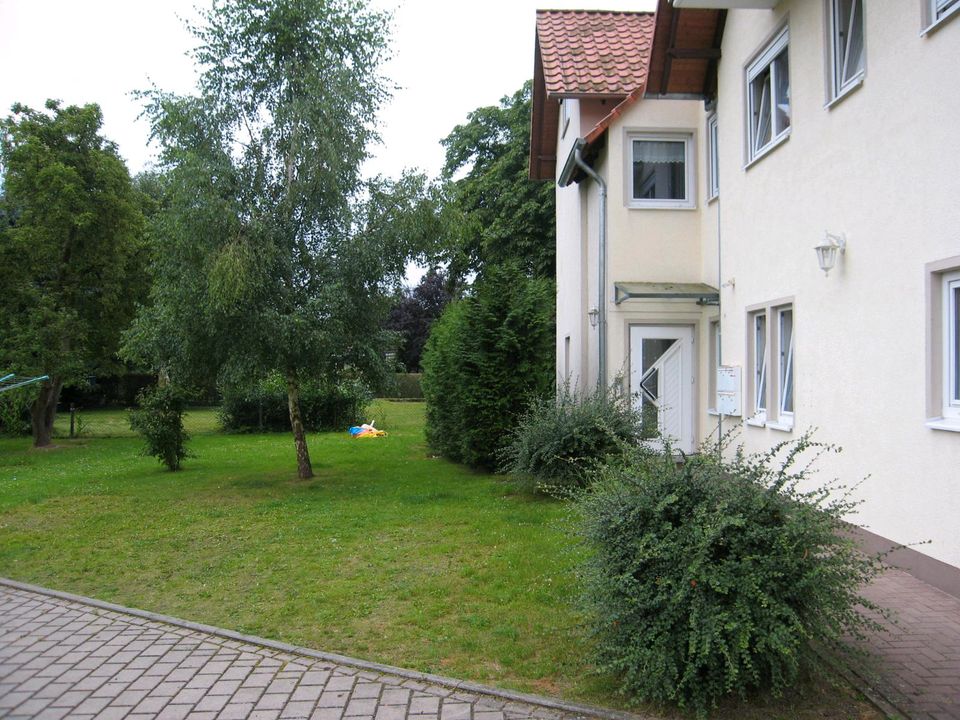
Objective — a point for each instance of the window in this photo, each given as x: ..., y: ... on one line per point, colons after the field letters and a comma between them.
x: 758, y: 365
x: 846, y: 45
x: 713, y: 159
x: 951, y: 346
x: 661, y: 176
x: 785, y: 376
x: 770, y: 357
x: 938, y: 10
x: 768, y: 97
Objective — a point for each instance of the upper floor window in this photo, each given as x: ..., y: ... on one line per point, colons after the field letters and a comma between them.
x: 936, y: 11
x: 846, y: 45
x: 661, y: 174
x: 768, y: 97
x: 713, y: 159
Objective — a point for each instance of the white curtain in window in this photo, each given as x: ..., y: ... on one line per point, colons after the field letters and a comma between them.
x: 658, y: 151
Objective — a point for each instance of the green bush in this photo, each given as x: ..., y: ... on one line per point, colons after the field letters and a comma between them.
x: 561, y: 441
x: 714, y: 577
x: 487, y: 355
x: 263, y: 405
x: 15, y: 412
x: 159, y: 420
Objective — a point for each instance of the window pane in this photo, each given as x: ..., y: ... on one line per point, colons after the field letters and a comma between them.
x: 943, y: 5
x: 659, y: 170
x: 786, y: 361
x: 760, y: 109
x: 955, y: 331
x: 713, y: 176
x: 760, y: 362
x: 850, y: 42
x: 781, y: 72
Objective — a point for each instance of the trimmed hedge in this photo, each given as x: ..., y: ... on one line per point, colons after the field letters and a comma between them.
x: 323, y: 406
x: 714, y: 577
x: 487, y: 355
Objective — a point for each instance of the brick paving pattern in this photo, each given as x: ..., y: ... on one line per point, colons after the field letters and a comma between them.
x: 65, y: 659
x: 917, y: 666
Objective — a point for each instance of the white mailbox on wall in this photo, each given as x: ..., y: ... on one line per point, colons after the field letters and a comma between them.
x: 729, y: 393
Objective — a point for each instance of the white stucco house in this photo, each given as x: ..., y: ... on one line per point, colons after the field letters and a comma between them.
x: 701, y: 154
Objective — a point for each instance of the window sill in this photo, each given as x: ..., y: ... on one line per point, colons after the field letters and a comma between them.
x: 771, y: 146
x: 781, y: 426
x: 935, y: 25
x: 851, y: 87
x: 756, y: 422
x: 948, y: 424
x: 713, y: 198
x: 661, y: 206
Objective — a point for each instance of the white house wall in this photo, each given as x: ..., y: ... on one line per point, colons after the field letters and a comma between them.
x: 881, y: 166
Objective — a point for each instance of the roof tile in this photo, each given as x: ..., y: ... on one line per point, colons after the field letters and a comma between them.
x: 594, y: 52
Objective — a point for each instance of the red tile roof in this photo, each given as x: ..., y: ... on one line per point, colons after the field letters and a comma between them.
x: 586, y: 52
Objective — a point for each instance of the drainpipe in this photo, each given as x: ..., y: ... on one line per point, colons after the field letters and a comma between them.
x: 565, y: 179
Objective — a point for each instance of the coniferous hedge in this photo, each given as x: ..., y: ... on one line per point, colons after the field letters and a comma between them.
x: 487, y: 355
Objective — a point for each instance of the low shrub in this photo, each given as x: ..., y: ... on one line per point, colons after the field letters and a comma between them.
x: 562, y: 440
x: 263, y: 405
x: 714, y: 577
x: 159, y: 419
x: 15, y: 412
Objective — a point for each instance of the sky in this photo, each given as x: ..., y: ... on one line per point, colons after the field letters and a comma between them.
x: 448, y: 58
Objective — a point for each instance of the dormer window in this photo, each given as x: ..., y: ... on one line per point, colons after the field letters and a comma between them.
x: 660, y: 170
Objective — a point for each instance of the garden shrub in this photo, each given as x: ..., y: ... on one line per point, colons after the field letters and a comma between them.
x: 714, y: 577
x: 487, y: 355
x: 159, y: 419
x: 15, y: 412
x: 263, y: 405
x: 562, y: 440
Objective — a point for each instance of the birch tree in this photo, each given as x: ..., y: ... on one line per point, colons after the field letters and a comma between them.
x: 257, y: 266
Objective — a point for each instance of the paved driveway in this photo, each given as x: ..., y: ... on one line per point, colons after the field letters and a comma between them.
x: 68, y: 657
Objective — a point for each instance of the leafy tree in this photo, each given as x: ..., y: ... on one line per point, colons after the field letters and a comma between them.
x: 71, y: 251
x: 506, y: 217
x: 258, y: 264
x: 414, y: 313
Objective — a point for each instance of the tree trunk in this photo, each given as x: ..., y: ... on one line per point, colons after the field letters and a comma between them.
x: 304, y: 468
x: 44, y: 411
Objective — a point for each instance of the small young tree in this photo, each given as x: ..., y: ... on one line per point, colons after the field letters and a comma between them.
x: 159, y: 420
x: 486, y: 357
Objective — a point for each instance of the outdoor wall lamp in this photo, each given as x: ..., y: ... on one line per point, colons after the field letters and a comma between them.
x: 827, y: 250
x: 594, y: 315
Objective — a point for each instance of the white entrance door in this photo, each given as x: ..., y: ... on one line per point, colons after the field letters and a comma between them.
x: 662, y: 379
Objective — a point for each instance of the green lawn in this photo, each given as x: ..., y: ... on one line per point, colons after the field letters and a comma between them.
x: 388, y: 554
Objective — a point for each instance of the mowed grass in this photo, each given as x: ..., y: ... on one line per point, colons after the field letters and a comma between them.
x: 388, y: 554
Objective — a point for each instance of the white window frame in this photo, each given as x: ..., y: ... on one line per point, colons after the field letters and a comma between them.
x: 713, y: 159
x: 936, y: 12
x: 758, y: 366
x: 564, y: 117
x: 839, y: 53
x: 687, y: 203
x: 951, y: 338
x: 771, y: 365
x: 785, y: 374
x: 763, y: 61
